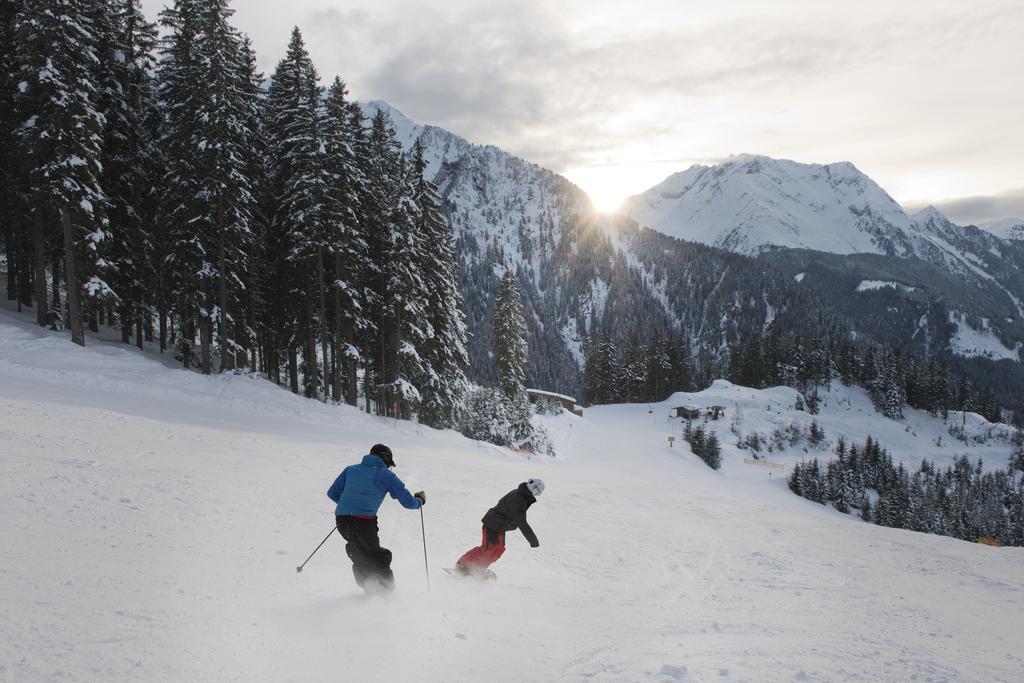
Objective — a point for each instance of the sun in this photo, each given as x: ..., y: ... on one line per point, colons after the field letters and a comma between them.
x: 608, y: 185
x: 603, y: 184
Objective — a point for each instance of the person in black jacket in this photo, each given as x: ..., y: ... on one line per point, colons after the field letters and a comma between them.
x: 509, y: 514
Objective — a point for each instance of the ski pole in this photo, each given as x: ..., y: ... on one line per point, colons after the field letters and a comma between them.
x: 299, y: 568
x: 426, y: 567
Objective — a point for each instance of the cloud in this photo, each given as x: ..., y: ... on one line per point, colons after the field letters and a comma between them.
x: 573, y: 84
x: 975, y: 210
x: 520, y: 76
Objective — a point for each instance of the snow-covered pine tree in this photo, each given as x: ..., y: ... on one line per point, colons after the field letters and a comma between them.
x: 11, y: 192
x: 345, y: 239
x: 60, y: 135
x: 842, y: 492
x: 602, y: 368
x: 294, y: 131
x: 381, y: 159
x: 405, y: 312
x: 222, y: 143
x: 510, y: 338
x: 249, y: 303
x: 712, y: 451
x: 129, y: 164
x: 442, y: 380
x: 632, y: 373
x: 176, y: 243
x: 397, y: 295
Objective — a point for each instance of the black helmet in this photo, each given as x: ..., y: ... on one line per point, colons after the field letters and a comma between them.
x: 384, y: 453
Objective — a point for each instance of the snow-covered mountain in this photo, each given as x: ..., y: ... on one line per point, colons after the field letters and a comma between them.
x: 749, y: 204
x: 757, y: 205
x: 816, y: 234
x: 574, y: 265
x: 1007, y: 228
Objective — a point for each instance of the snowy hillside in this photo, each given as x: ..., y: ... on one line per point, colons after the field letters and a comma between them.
x: 494, y: 194
x: 847, y: 412
x: 154, y: 518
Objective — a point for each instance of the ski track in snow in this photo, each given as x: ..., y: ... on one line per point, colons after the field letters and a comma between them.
x: 154, y: 519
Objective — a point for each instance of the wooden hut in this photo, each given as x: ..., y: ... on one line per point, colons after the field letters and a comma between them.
x: 568, y: 402
x: 688, y: 412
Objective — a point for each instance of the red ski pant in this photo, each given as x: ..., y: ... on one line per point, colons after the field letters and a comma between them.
x: 492, y: 545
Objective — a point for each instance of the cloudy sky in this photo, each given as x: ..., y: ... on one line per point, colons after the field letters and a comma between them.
x: 927, y: 97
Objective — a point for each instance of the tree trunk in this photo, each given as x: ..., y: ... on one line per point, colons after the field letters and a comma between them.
x: 351, y: 364
x: 227, y: 358
x: 24, y: 287
x: 163, y: 329
x: 39, y: 265
x: 10, y: 248
x: 293, y: 369
x: 74, y: 290
x: 139, y: 332
x: 367, y: 381
x: 126, y: 321
x: 336, y: 337
x: 323, y: 319
x: 310, y: 365
x: 55, y: 306
x: 206, y: 340
x: 186, y: 339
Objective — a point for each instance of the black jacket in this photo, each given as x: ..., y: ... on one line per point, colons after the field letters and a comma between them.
x: 510, y: 513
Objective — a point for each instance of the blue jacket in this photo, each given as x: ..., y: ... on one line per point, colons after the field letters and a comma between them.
x: 360, y: 489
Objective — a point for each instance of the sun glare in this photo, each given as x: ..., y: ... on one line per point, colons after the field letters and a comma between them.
x: 608, y: 185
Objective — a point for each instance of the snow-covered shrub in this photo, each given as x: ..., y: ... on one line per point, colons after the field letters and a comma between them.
x: 704, y: 445
x: 488, y: 415
x: 548, y: 406
x: 752, y: 441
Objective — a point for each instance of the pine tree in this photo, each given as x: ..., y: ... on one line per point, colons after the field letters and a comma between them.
x: 712, y: 451
x: 510, y: 338
x: 346, y: 239
x: 294, y: 131
x: 176, y: 245
x: 60, y: 134
x: 221, y: 144
x: 129, y: 167
x: 12, y: 208
x: 442, y: 382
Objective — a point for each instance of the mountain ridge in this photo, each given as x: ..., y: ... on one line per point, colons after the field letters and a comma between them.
x: 581, y: 271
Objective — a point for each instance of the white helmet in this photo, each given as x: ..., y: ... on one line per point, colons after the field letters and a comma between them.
x: 536, y: 487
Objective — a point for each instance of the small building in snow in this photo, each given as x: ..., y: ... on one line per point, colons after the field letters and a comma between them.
x: 567, y: 402
x: 689, y: 412
x: 716, y: 412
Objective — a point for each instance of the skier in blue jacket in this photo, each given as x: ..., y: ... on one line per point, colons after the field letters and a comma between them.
x: 358, y: 492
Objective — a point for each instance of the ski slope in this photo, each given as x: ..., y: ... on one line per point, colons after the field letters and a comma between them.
x: 154, y: 519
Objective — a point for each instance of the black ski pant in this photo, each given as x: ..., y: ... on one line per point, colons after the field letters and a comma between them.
x: 371, y: 564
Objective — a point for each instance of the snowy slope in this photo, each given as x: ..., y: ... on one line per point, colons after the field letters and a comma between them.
x: 153, y: 519
x: 750, y: 203
x: 847, y: 412
x: 1007, y: 228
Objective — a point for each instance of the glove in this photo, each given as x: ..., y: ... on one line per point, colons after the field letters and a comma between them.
x: 422, y: 496
x: 535, y: 545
